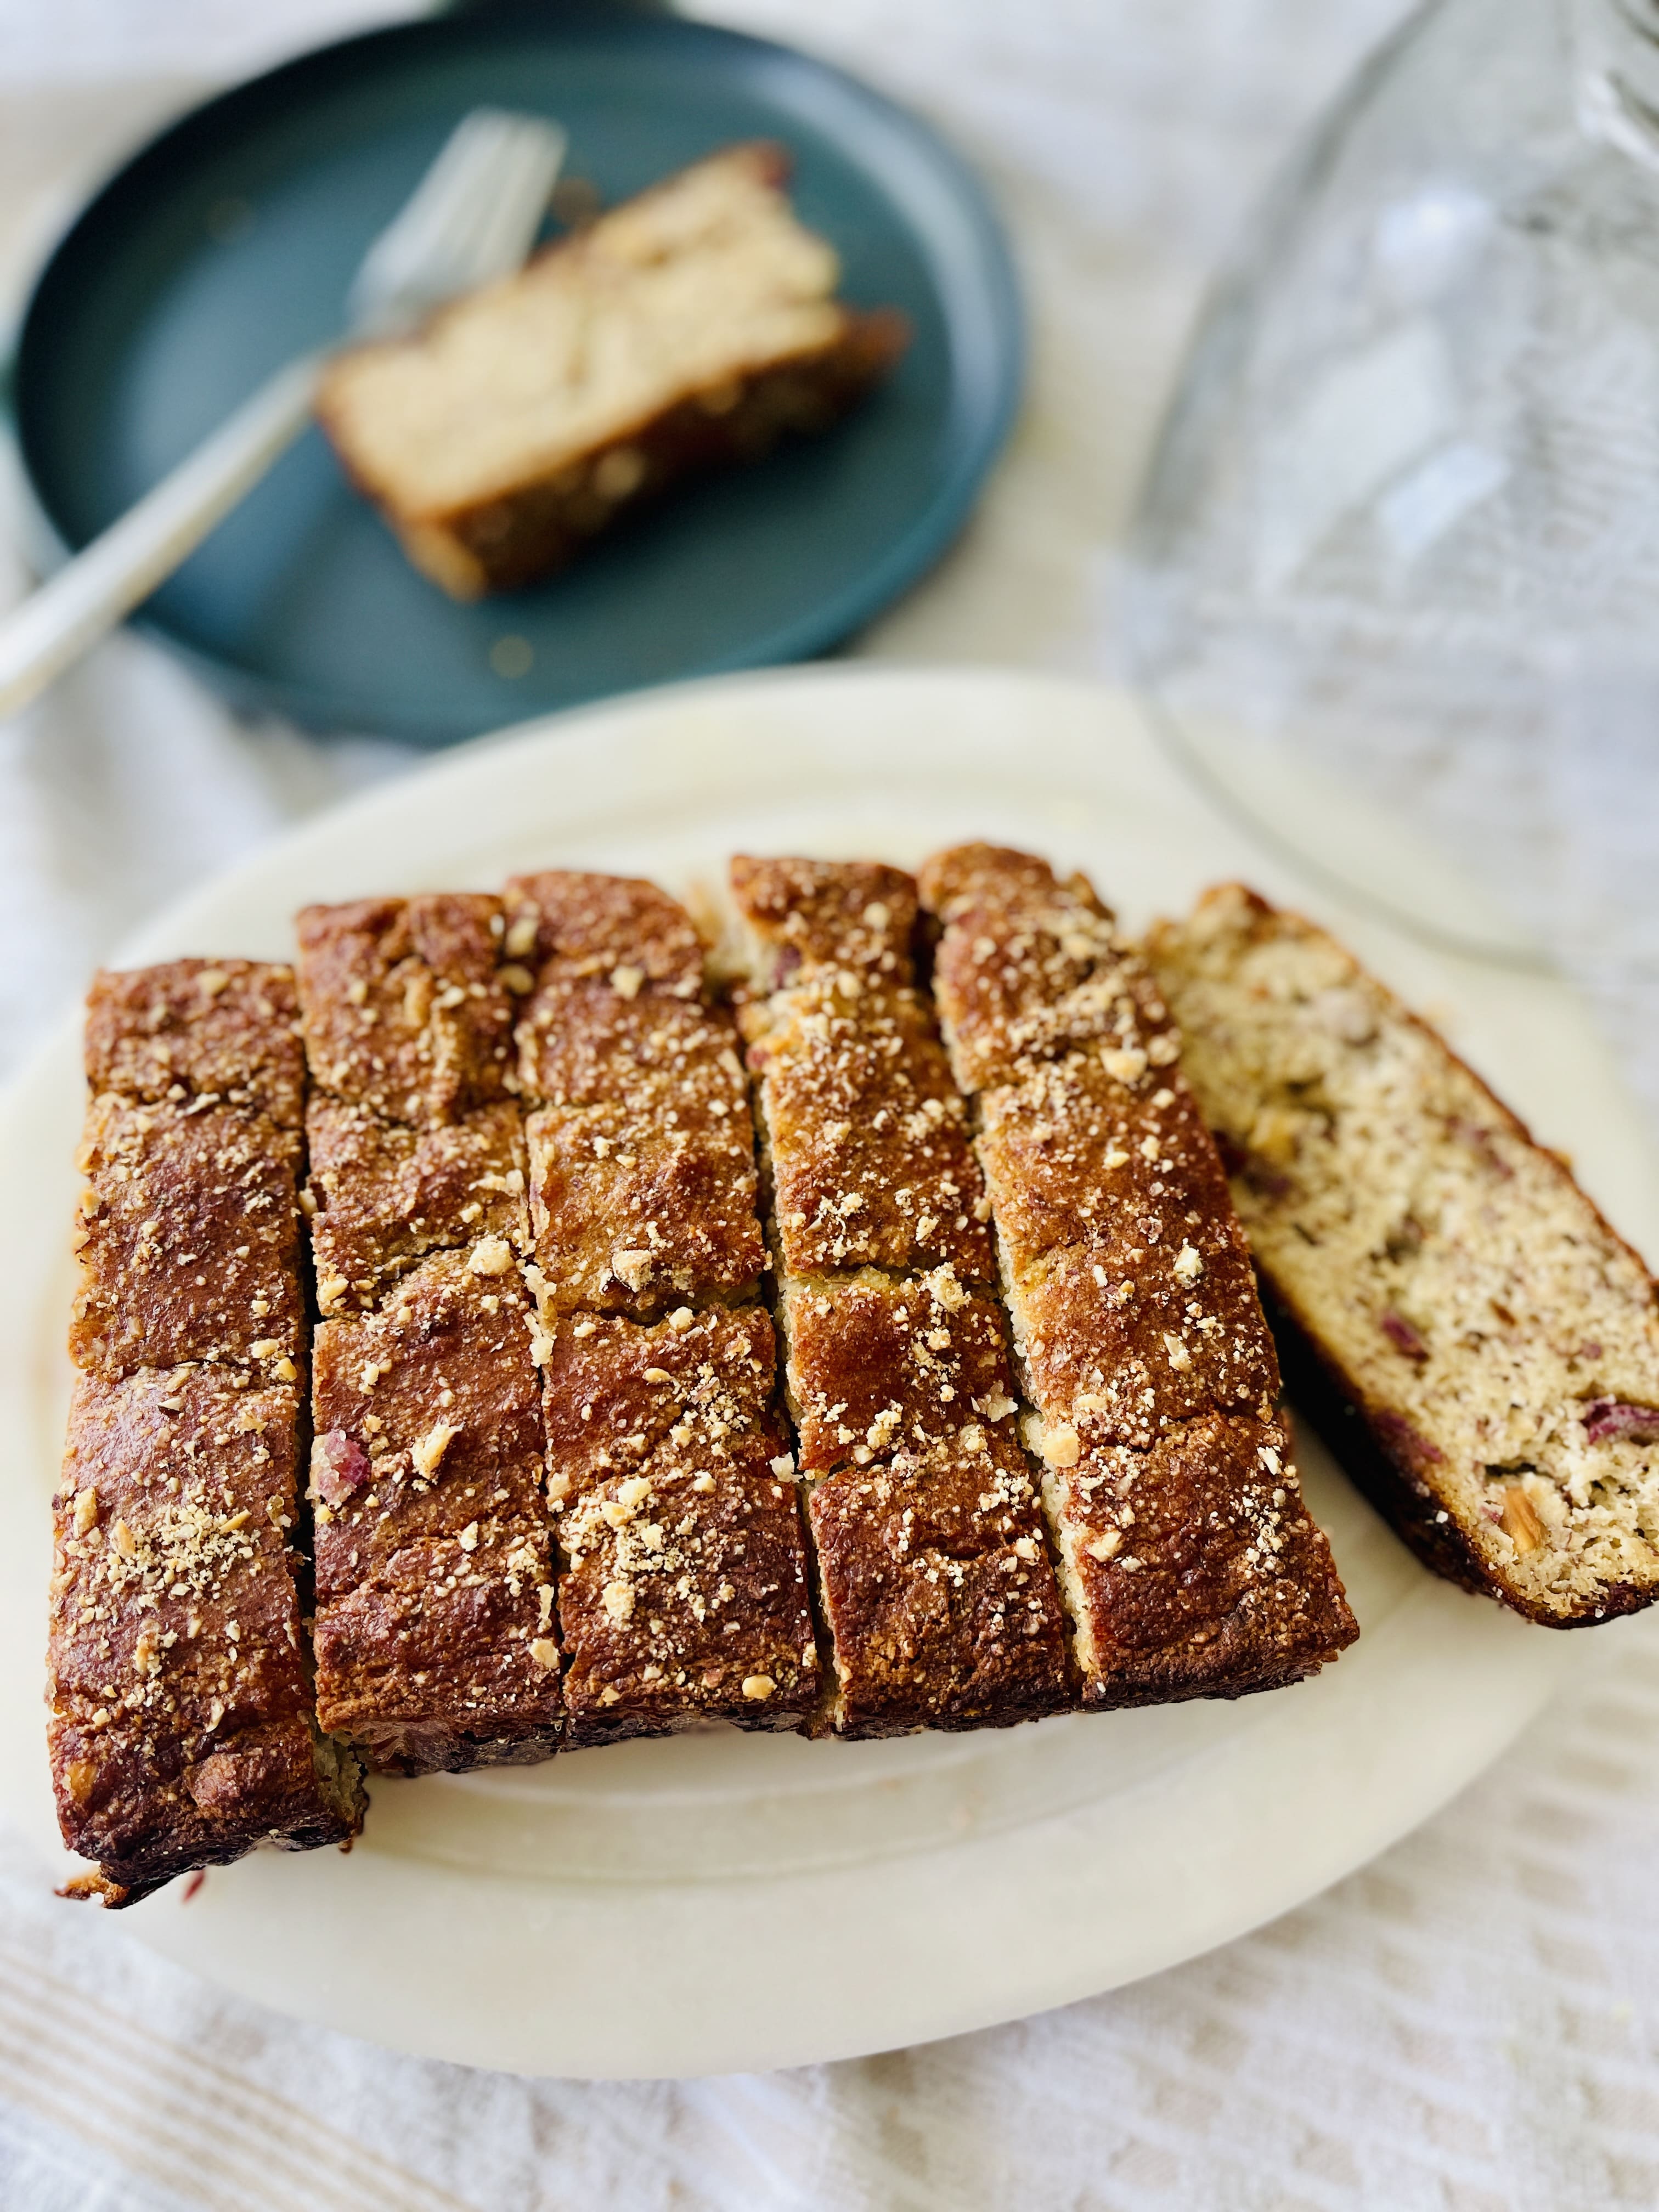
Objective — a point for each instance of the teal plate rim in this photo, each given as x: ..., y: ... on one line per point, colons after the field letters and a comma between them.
x: 995, y: 376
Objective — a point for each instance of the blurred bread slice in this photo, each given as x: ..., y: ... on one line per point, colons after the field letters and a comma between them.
x: 690, y: 327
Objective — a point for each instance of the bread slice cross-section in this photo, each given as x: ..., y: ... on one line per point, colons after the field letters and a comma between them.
x: 689, y: 328
x: 1482, y: 1349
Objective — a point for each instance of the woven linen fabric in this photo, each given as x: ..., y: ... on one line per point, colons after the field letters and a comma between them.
x: 1469, y: 2025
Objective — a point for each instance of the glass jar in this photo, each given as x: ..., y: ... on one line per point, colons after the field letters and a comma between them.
x: 1398, y: 555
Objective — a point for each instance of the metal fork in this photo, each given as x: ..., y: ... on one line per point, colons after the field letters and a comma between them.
x: 472, y: 216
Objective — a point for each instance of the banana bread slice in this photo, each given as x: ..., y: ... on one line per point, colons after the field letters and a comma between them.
x: 1190, y: 1564
x: 180, y: 1726
x: 683, y: 1589
x: 690, y: 327
x: 933, y: 1576
x: 1479, y: 1348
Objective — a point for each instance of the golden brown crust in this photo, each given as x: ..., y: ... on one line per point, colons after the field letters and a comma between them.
x: 404, y: 1007
x: 434, y: 1647
x: 867, y: 1137
x: 937, y: 1593
x: 188, y: 1240
x: 1195, y: 1567
x: 617, y: 1392
x: 582, y: 925
x: 223, y: 1030
x: 806, y: 917
x: 385, y: 1195
x: 1030, y: 968
x: 683, y: 1596
x: 879, y: 1364
x: 180, y: 1729
x: 641, y: 1157
x: 1137, y: 1326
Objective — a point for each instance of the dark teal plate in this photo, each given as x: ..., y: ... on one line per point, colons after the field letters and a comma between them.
x: 226, y: 246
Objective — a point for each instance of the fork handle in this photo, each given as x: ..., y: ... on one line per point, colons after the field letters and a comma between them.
x: 106, y: 580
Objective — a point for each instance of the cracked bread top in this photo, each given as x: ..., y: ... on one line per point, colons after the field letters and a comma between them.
x: 406, y: 1009
x: 1030, y: 967
x: 384, y: 1195
x: 224, y: 1031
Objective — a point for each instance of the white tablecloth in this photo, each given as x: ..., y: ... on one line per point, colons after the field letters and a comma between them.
x: 1469, y: 2026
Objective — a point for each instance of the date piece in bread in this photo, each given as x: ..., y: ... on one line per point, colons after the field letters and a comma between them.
x: 180, y: 1727
x: 933, y: 1579
x: 406, y: 1012
x: 683, y: 1590
x: 1190, y: 1566
x: 385, y: 1194
x: 641, y: 1157
x: 1438, y: 1274
x: 688, y: 328
x: 434, y: 1643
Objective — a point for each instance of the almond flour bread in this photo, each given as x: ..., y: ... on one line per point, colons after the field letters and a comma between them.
x: 180, y: 1730
x: 683, y: 1590
x: 1481, y: 1348
x: 1190, y: 1566
x: 434, y: 1638
x: 689, y: 328
x: 933, y: 1577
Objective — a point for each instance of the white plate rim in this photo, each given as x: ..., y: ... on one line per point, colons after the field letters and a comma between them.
x: 788, y: 1969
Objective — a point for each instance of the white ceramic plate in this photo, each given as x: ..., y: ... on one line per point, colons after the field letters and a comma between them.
x: 719, y: 1901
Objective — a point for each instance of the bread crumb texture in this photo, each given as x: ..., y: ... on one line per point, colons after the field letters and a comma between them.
x: 1500, y: 1339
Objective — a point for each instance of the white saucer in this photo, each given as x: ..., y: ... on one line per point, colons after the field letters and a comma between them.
x: 722, y: 1902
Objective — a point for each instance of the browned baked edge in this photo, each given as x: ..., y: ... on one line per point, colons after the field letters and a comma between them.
x: 933, y: 1581
x: 180, y: 1729
x: 1190, y: 1566
x: 683, y: 1590
x: 434, y: 1641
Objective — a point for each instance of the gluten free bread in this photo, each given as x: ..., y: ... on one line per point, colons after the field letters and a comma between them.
x: 1482, y: 1346
x: 1190, y: 1564
x: 692, y: 326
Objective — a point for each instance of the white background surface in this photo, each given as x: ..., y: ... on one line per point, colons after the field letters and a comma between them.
x: 1472, y: 2023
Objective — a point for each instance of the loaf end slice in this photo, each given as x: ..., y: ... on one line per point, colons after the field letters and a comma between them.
x: 1479, y: 1348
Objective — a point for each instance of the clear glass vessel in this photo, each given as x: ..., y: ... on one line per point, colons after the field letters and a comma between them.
x: 1400, y: 545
